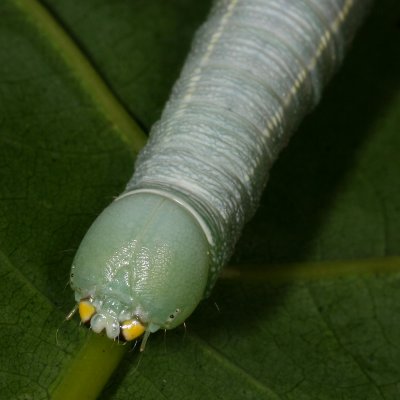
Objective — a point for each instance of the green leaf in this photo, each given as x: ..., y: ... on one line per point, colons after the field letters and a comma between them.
x: 313, y: 313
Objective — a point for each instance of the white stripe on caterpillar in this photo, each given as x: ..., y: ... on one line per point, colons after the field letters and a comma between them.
x: 255, y: 69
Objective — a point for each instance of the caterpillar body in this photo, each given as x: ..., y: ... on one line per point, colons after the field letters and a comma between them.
x: 255, y: 69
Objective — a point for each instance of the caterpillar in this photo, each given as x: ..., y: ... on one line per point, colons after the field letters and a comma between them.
x: 256, y: 68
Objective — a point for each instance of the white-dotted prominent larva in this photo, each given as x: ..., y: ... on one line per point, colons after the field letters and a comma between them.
x: 255, y: 69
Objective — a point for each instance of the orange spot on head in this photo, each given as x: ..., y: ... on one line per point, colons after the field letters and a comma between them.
x: 132, y: 329
x: 86, y: 310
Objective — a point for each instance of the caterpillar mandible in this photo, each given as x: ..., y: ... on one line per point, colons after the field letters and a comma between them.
x: 255, y: 69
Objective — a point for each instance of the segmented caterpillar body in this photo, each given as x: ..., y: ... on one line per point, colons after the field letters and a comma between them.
x: 255, y: 69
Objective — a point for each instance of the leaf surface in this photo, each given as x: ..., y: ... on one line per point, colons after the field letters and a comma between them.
x: 299, y: 321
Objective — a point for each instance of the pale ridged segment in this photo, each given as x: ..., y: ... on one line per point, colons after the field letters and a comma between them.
x: 255, y: 69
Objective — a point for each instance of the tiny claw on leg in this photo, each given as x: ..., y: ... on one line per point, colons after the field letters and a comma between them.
x: 71, y: 313
x: 144, y: 341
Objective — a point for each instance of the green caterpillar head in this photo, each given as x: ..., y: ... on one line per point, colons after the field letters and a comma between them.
x: 143, y: 265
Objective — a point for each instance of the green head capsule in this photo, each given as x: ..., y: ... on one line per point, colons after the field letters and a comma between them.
x: 143, y: 265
